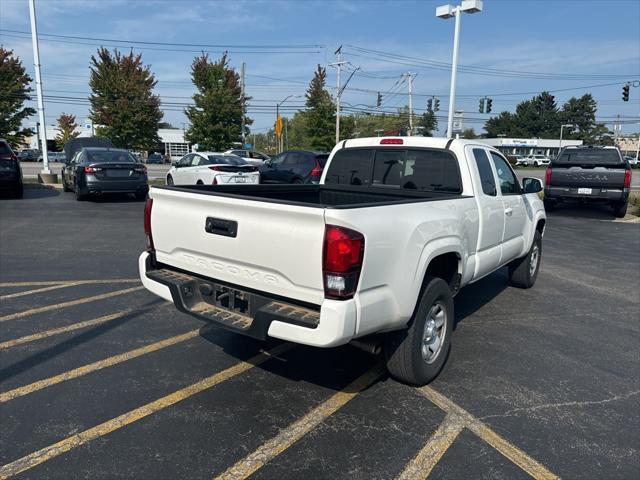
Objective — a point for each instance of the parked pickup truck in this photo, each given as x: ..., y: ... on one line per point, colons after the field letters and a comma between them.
x: 373, y: 255
x: 589, y: 174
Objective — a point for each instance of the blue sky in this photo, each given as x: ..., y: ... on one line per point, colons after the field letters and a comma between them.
x: 580, y: 43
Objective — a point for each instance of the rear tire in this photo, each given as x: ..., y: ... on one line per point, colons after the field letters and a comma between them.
x: 141, y: 195
x: 524, y: 271
x: 169, y: 180
x: 65, y: 187
x: 19, y: 192
x: 620, y: 209
x: 297, y: 181
x: 416, y: 355
x: 79, y: 196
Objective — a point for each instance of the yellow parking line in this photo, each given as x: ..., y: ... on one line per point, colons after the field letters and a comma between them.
x: 47, y: 453
x: 40, y: 290
x: 513, y: 453
x: 71, y: 303
x: 60, y: 282
x: 421, y: 465
x: 294, y: 432
x: 58, y: 331
x: 92, y: 367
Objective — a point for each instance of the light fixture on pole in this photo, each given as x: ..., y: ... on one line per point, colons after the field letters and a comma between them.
x: 449, y: 11
x: 565, y: 125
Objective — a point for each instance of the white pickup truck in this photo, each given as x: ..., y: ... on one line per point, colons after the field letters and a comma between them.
x: 372, y: 256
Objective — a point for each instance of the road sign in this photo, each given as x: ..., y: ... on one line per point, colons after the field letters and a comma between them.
x: 458, y: 118
x: 247, y: 146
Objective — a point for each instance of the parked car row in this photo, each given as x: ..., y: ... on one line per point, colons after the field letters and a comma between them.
x: 217, y: 168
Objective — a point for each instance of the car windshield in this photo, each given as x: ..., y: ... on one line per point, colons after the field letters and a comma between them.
x: 8, y: 166
x: 109, y: 156
x: 590, y: 156
x: 226, y: 160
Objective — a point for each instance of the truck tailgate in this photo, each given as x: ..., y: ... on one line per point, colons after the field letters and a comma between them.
x: 272, y: 247
x: 595, y: 177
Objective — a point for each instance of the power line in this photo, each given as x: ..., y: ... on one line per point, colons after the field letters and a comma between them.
x: 170, y: 44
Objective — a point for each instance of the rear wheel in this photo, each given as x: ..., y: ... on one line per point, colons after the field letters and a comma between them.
x: 620, y: 209
x: 65, y: 187
x: 141, y: 195
x: 79, y: 196
x: 297, y: 181
x: 19, y: 191
x: 524, y: 271
x: 169, y: 180
x: 416, y: 355
x: 199, y: 182
x: 536, y: 164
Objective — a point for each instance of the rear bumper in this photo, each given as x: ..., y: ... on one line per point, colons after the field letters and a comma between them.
x: 115, y: 186
x: 607, y: 194
x: 256, y: 314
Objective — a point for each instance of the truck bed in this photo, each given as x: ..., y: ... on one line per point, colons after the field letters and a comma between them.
x: 318, y: 196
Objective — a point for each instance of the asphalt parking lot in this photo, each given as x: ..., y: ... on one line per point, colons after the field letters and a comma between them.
x: 100, y: 379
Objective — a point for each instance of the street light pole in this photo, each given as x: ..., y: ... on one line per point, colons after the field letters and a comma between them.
x: 568, y: 125
x: 281, y: 142
x: 454, y: 72
x: 448, y: 11
x: 36, y: 64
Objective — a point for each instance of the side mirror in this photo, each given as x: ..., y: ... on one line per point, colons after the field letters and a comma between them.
x: 532, y: 185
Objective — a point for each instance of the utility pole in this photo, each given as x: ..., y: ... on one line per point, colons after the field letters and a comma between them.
x: 338, y: 64
x: 243, y: 102
x: 42, y: 127
x: 410, y: 76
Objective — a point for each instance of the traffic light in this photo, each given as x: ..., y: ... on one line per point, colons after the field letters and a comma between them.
x: 430, y: 105
x: 481, y: 105
x: 489, y: 103
x: 379, y: 101
x: 625, y: 93
x: 436, y: 104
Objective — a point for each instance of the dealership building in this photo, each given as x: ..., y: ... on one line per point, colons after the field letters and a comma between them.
x: 529, y: 146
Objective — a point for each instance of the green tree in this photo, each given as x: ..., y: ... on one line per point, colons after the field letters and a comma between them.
x: 216, y: 117
x: 320, y: 114
x: 429, y: 123
x: 122, y: 101
x: 503, y: 124
x: 66, y: 129
x: 14, y: 90
x: 469, y: 133
x: 582, y: 112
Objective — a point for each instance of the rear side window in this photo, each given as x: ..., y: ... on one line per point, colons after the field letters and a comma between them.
x: 590, y: 156
x: 415, y: 169
x: 350, y: 167
x: 224, y: 160
x: 487, y: 179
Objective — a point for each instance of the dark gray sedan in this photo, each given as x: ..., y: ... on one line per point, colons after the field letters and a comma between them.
x: 97, y: 170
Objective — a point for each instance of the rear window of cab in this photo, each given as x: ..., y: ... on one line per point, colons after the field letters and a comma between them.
x: 418, y: 169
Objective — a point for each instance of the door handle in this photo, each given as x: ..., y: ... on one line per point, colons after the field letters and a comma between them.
x: 508, y: 211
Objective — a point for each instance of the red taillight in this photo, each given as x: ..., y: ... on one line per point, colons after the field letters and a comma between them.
x: 215, y: 167
x: 391, y: 141
x: 316, y: 171
x: 627, y: 178
x: 14, y: 157
x: 147, y: 223
x: 215, y: 181
x: 89, y: 170
x: 547, y: 177
x: 342, y: 261
x: 141, y: 169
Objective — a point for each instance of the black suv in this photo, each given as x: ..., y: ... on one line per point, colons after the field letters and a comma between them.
x: 294, y: 166
x: 589, y: 174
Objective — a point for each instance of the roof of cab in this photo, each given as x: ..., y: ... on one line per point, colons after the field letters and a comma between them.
x: 429, y: 142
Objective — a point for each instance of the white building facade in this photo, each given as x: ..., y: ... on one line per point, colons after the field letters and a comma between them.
x: 529, y: 146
